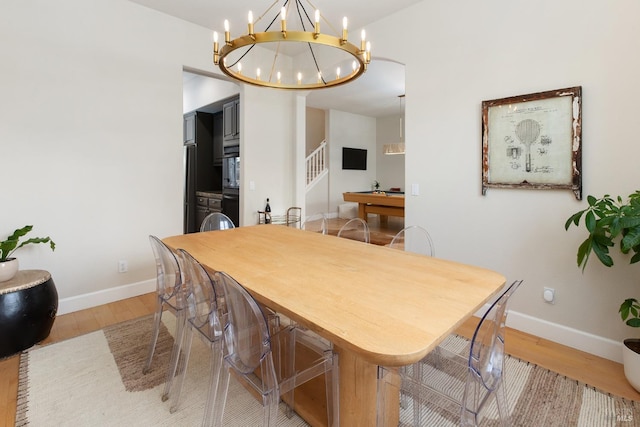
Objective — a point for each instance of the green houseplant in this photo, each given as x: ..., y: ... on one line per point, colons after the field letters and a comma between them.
x: 9, y: 265
x: 609, y: 222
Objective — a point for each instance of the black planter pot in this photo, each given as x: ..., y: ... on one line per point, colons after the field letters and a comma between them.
x: 28, y: 307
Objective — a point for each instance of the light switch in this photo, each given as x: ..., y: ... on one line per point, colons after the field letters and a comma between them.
x: 415, y: 189
x: 252, y: 185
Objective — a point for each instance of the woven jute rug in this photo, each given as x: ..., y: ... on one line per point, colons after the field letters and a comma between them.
x: 535, y: 397
x: 96, y: 380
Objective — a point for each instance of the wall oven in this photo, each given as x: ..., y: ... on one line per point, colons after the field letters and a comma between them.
x: 231, y: 183
x: 231, y: 170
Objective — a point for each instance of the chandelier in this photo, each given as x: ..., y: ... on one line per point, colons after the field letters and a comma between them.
x: 295, y: 54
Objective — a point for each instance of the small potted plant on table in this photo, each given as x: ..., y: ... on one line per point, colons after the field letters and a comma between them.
x: 9, y: 265
x: 610, y: 221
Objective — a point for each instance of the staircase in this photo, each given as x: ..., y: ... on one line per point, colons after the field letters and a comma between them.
x: 316, y: 165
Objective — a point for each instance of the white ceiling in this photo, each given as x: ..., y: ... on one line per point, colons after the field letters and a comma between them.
x: 374, y: 94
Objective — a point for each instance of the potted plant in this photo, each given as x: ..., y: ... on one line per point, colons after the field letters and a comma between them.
x: 9, y: 265
x: 610, y: 221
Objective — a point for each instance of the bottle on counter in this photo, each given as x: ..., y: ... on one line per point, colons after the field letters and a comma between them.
x: 267, y: 210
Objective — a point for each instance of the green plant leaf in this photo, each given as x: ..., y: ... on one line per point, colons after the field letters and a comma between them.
x: 575, y: 219
x: 634, y: 323
x: 583, y: 253
x: 10, y: 245
x: 602, y: 252
x: 590, y: 221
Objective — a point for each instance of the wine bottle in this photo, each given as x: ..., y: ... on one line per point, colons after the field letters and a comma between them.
x: 267, y: 210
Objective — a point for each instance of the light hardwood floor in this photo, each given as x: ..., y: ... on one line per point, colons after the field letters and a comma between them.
x: 601, y: 373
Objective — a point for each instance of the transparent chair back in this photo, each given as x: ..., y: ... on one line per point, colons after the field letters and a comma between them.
x: 415, y: 239
x: 169, y: 294
x: 458, y: 385
x: 216, y: 221
x: 249, y: 346
x: 316, y: 223
x: 204, y: 319
x: 355, y: 229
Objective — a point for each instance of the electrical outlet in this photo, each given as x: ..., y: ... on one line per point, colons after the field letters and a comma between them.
x: 549, y: 295
x: 123, y: 266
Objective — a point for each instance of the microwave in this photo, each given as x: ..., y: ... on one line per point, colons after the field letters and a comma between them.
x: 231, y: 173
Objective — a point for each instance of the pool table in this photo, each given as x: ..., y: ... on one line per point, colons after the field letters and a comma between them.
x: 383, y: 203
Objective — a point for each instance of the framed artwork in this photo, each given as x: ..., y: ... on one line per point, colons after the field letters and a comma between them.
x: 533, y: 141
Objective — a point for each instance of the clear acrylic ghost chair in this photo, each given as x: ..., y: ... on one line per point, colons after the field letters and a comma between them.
x: 204, y: 318
x: 355, y: 229
x: 414, y: 238
x: 316, y: 223
x: 170, y: 294
x: 216, y: 221
x: 458, y: 379
x: 249, y: 345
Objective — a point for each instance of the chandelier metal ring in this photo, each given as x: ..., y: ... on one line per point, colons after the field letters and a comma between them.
x: 293, y: 36
x: 306, y: 71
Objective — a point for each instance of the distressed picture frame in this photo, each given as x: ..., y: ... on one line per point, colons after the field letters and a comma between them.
x: 533, y: 141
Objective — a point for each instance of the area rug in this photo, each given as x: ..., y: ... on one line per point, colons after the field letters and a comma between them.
x: 535, y: 396
x: 96, y: 380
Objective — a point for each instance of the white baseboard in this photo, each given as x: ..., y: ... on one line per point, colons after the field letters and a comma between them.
x: 580, y: 340
x: 94, y: 299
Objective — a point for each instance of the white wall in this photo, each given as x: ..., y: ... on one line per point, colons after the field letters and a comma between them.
x: 470, y: 52
x: 355, y: 131
x: 389, y: 168
x: 91, y: 138
x: 199, y: 91
x: 314, y: 125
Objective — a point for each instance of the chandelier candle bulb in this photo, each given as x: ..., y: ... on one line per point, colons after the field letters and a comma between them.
x: 216, y: 51
x: 283, y: 21
x: 299, y: 78
x: 258, y: 74
x: 227, y: 34
x: 337, y: 73
x: 344, y: 30
x: 363, y: 40
x: 316, y: 24
x: 279, y: 77
x: 239, y: 68
x: 319, y: 76
x: 250, y: 18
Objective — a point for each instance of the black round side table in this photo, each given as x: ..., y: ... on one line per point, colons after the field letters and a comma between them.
x: 28, y: 307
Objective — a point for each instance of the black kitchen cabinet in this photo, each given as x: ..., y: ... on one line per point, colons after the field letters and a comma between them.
x: 189, y: 128
x: 218, y: 151
x: 231, y: 125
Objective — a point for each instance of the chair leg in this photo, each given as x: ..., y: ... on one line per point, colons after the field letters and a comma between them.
x: 178, y: 369
x: 175, y: 353
x: 289, y: 367
x: 332, y: 377
x: 157, y: 317
x: 221, y: 395
x: 501, y: 402
x: 270, y: 400
x: 216, y: 366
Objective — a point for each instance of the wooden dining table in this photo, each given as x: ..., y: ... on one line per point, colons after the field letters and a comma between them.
x: 379, y: 306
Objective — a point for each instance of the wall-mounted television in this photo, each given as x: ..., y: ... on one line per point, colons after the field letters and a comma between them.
x: 354, y: 158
